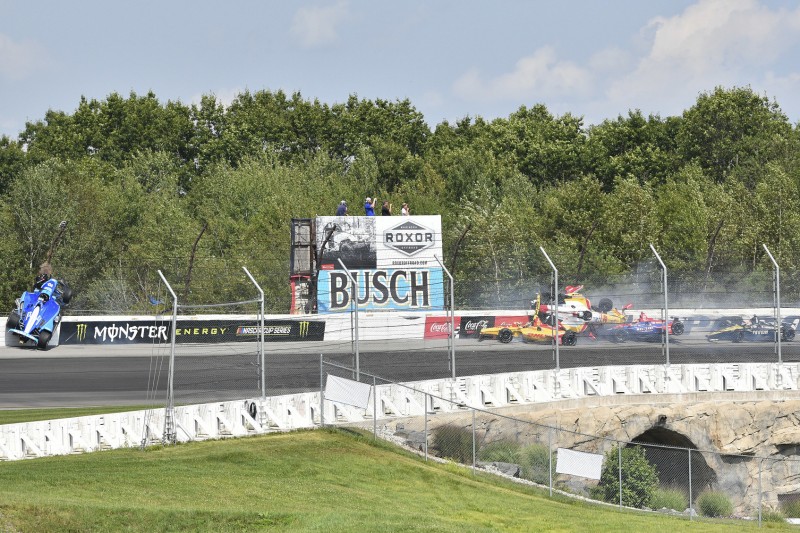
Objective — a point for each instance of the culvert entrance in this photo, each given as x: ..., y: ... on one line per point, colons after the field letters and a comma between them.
x: 672, y: 464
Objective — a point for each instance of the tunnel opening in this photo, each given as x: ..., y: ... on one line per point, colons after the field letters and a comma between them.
x: 669, y: 452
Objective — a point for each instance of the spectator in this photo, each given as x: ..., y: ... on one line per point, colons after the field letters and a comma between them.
x: 404, y: 212
x: 342, y: 209
x: 369, y: 206
x: 386, y: 209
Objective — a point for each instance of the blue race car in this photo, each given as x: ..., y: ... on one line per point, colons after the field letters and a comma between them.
x: 646, y: 329
x: 38, y: 313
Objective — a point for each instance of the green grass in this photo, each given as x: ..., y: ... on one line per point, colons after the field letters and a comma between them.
x: 15, y: 416
x: 323, y: 481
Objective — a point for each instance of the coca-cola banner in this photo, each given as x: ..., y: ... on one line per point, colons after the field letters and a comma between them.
x: 438, y: 327
x: 470, y: 324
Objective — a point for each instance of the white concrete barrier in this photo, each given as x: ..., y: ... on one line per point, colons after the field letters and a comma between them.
x: 282, y: 413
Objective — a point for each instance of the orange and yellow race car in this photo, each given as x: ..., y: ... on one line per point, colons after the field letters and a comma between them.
x: 502, y: 333
x: 539, y: 331
x: 534, y: 331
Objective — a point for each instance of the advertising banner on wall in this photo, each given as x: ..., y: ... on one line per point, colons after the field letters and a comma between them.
x: 393, y: 260
x: 438, y: 327
x: 189, y: 331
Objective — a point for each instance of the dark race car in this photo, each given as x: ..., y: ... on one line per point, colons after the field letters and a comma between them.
x: 736, y: 329
x: 646, y: 328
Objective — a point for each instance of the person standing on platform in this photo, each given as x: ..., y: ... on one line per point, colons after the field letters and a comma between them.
x: 342, y: 209
x: 386, y: 209
x: 369, y: 206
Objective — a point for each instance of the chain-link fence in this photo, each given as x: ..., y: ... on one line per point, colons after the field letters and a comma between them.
x: 647, y: 473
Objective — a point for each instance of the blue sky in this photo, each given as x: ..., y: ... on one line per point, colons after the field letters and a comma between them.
x: 449, y: 58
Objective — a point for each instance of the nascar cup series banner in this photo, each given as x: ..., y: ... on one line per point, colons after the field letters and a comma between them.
x: 188, y: 331
x: 392, y: 259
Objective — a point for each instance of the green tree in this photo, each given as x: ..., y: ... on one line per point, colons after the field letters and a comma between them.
x: 545, y: 148
x: 729, y: 128
x: 633, y: 147
x: 639, y: 477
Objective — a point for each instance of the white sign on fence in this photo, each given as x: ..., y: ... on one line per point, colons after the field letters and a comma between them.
x: 347, y: 391
x: 581, y: 464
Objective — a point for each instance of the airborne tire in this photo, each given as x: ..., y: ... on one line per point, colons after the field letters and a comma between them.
x: 44, y: 338
x: 605, y: 305
x: 66, y: 295
x: 13, y: 320
x: 505, y: 335
x: 678, y: 327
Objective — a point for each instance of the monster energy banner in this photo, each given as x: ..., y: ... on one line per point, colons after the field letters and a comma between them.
x: 189, y: 331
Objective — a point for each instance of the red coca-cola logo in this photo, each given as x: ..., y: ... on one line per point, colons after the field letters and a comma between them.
x: 438, y: 327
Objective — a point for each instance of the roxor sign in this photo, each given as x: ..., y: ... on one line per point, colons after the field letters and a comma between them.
x: 187, y: 331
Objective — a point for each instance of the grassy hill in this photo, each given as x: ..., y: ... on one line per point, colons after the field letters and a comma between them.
x: 303, y: 481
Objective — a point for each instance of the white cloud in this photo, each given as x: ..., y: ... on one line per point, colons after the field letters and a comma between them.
x: 534, y: 77
x: 18, y: 60
x: 711, y: 43
x: 318, y: 26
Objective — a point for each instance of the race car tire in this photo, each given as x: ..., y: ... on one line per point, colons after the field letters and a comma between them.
x: 13, y: 320
x: 788, y: 335
x: 605, y: 305
x: 505, y: 335
x: 569, y: 339
x: 738, y: 336
x: 586, y: 315
x: 44, y: 338
x: 66, y: 296
x: 619, y: 335
x: 678, y: 327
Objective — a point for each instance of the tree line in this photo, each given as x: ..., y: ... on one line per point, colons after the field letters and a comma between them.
x: 199, y: 190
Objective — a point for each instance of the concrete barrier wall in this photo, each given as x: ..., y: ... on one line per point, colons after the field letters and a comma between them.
x: 282, y: 413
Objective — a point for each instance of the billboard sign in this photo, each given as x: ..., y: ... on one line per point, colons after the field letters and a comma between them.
x: 189, y: 331
x: 407, y: 289
x: 393, y: 260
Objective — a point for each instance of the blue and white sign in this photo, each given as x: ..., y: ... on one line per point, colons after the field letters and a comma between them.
x: 413, y: 289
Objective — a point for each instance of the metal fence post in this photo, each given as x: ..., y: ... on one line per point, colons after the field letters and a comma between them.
x: 691, y: 507
x: 321, y: 395
x: 760, y: 463
x: 666, y: 306
x: 776, y: 277
x: 354, y: 298
x: 261, y: 335
x: 550, y: 458
x: 426, y: 426
x: 374, y: 407
x: 169, y: 412
x: 619, y: 457
x: 451, y: 343
x: 555, y: 306
x: 473, y: 442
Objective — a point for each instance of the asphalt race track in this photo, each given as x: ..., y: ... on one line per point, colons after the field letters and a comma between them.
x: 71, y: 376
